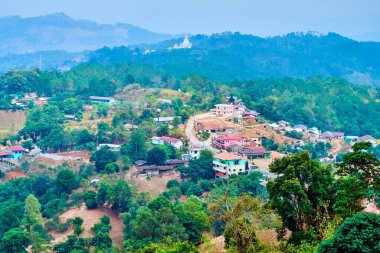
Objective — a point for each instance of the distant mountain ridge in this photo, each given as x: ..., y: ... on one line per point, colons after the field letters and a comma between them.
x: 60, y: 32
x: 229, y: 56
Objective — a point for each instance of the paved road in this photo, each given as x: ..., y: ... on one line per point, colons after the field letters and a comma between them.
x: 190, y: 133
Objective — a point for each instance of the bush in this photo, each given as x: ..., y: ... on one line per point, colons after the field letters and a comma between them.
x: 90, y: 199
x: 205, y: 185
x: 194, y: 190
x: 185, y: 186
x: 172, y: 183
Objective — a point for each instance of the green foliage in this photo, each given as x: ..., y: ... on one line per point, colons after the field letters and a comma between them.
x: 90, y: 199
x: 102, y: 110
x: 172, y: 183
x: 303, y: 195
x: 15, y: 240
x: 119, y: 196
x: 102, y: 157
x: 163, y: 130
x: 169, y: 247
x: 157, y: 155
x: 200, y: 168
x: 66, y: 181
x: 269, y: 144
x: 294, y: 134
x: 160, y: 219
x: 194, y: 189
x: 360, y: 233
x: 136, y: 148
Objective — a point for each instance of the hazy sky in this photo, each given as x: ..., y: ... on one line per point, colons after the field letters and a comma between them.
x: 359, y: 19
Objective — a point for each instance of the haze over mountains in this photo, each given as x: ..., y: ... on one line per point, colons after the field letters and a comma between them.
x: 225, y: 56
x: 60, y: 32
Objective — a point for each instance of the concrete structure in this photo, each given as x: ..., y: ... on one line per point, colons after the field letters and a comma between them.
x: 283, y: 123
x: 331, y: 135
x: 194, y: 152
x: 254, y: 153
x: 186, y: 44
x: 226, y: 164
x: 154, y: 170
x: 300, y: 128
x: 224, y: 110
x: 112, y: 147
x: 101, y: 100
x: 368, y: 138
x: 225, y: 141
x: 163, y: 120
x: 177, y: 143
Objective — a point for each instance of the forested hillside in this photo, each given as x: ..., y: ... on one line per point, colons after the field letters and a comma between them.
x: 327, y: 103
x: 230, y: 56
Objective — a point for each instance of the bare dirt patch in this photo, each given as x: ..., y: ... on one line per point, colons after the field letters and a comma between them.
x: 91, y: 217
x: 156, y: 184
x: 11, y: 122
x: 15, y: 174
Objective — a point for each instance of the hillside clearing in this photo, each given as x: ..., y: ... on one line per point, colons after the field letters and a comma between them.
x: 11, y: 122
x: 90, y: 217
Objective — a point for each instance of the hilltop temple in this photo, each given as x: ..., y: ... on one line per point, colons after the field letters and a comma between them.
x: 185, y: 44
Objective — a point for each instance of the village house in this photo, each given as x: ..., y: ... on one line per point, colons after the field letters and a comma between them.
x: 130, y: 127
x: 17, y: 152
x: 140, y: 163
x: 226, y: 164
x: 212, y: 126
x: 112, y: 147
x: 153, y: 170
x: 250, y: 113
x: 300, y: 128
x: 224, y: 141
x: 283, y: 123
x: 5, y: 155
x: 254, y: 153
x: 274, y: 126
x: 101, y: 100
x: 177, y: 143
x: 176, y: 163
x: 163, y: 120
x: 368, y: 138
x: 224, y: 110
x: 194, y: 151
x: 250, y: 153
x: 252, y: 138
x: 331, y: 135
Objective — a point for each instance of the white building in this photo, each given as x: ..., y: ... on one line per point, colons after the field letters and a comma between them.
x: 186, y: 44
x: 194, y: 151
x: 177, y: 143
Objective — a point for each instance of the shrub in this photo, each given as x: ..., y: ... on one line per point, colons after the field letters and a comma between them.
x: 172, y: 183
x: 205, y: 185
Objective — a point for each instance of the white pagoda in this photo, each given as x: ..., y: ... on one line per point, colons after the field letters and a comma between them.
x: 185, y: 44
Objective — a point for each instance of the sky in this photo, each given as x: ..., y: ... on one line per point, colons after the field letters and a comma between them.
x: 357, y: 19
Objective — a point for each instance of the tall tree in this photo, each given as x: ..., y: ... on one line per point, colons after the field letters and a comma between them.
x: 136, y: 147
x: 303, y: 195
x: 15, y: 240
x: 359, y: 234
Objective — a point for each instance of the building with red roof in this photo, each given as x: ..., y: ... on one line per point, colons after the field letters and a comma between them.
x: 225, y: 141
x: 17, y: 152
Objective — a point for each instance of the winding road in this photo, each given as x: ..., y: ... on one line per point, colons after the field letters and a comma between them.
x: 190, y: 133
